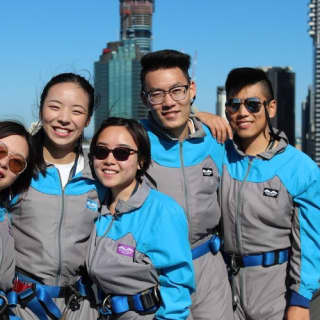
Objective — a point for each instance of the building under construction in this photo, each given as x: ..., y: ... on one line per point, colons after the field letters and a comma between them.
x: 136, y: 22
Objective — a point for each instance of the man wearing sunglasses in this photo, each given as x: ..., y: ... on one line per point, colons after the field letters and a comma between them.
x: 270, y: 201
x: 186, y: 165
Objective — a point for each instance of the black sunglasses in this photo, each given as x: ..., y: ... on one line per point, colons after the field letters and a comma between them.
x: 253, y: 105
x: 119, y: 153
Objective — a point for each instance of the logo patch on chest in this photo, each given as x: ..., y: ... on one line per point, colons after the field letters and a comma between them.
x: 125, y: 250
x: 268, y: 192
x: 207, y: 172
x: 92, y: 205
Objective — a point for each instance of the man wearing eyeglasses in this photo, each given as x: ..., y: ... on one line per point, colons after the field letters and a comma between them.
x: 270, y: 207
x: 187, y: 163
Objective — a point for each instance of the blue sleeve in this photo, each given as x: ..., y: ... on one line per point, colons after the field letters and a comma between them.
x: 304, y: 269
x: 170, y: 253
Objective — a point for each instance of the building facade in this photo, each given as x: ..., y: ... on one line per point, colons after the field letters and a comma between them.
x: 283, y: 83
x: 221, y: 101
x: 314, y: 33
x: 117, y: 73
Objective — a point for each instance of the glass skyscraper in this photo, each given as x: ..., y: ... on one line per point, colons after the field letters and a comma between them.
x: 117, y: 73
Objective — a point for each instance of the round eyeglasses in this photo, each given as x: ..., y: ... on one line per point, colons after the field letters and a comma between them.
x: 17, y: 163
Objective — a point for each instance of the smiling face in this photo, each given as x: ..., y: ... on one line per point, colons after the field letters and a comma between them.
x: 249, y: 126
x: 173, y: 115
x: 16, y: 145
x: 64, y: 115
x: 119, y: 176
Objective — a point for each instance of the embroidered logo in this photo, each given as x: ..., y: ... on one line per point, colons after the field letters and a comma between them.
x: 125, y: 250
x: 207, y: 172
x: 268, y: 192
x: 92, y: 205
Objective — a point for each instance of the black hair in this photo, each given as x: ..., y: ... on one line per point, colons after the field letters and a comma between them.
x: 241, y: 77
x: 38, y: 138
x: 10, y: 128
x: 164, y: 59
x: 139, y: 136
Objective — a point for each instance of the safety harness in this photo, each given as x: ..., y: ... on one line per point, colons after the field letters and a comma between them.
x: 5, y: 305
x: 213, y: 245
x: 145, y: 302
x: 38, y: 297
x: 265, y: 259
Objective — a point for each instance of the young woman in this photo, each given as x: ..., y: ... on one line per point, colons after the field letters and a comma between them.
x: 139, y: 253
x: 53, y: 219
x: 15, y: 176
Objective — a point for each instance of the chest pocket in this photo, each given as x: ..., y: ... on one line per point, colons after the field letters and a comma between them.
x: 120, y: 268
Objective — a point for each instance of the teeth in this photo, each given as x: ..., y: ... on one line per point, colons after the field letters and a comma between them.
x: 62, y: 130
x: 109, y: 171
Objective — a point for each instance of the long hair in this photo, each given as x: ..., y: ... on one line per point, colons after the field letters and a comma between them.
x: 38, y: 138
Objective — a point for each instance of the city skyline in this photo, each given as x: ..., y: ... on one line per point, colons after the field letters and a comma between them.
x: 43, y: 39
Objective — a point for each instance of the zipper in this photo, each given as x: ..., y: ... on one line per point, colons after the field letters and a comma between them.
x: 238, y: 229
x: 59, y: 231
x: 101, y: 238
x: 185, y: 190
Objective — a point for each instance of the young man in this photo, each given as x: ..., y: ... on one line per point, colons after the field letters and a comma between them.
x: 270, y: 208
x: 186, y: 165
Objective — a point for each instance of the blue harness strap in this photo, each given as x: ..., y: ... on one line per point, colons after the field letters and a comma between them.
x: 265, y: 259
x: 5, y: 306
x: 145, y: 302
x: 39, y: 298
x: 213, y: 245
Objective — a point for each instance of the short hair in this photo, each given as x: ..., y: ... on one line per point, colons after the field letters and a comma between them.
x: 241, y: 77
x: 164, y: 59
x: 10, y: 128
x: 139, y: 136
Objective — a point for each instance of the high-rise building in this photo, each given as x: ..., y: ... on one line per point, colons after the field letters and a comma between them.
x: 314, y: 33
x: 283, y: 83
x: 221, y: 101
x: 117, y: 83
x: 136, y: 22
x: 117, y: 73
x: 307, y: 129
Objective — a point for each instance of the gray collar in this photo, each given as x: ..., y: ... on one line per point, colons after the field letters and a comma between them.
x: 269, y: 153
x: 134, y: 202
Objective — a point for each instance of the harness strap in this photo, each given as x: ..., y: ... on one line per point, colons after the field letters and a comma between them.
x: 213, y: 245
x: 39, y: 297
x: 265, y: 259
x: 145, y: 302
x: 5, y: 305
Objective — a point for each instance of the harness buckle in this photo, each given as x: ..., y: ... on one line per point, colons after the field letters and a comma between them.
x: 106, y: 304
x: 150, y: 300
x: 235, y: 264
x: 27, y: 295
x: 73, y: 297
x: 4, y: 304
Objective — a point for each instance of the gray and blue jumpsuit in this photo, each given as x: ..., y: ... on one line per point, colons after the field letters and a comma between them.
x: 51, y: 228
x: 143, y: 248
x: 189, y: 171
x: 271, y: 218
x: 7, y: 259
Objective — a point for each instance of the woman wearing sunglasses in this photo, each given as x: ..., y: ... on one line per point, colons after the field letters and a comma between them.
x: 15, y: 176
x: 139, y: 254
x: 53, y: 220
x: 270, y: 200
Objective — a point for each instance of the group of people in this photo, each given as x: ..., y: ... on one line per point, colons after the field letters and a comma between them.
x: 159, y: 219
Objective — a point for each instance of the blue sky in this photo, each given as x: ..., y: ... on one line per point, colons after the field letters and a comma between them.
x: 42, y: 38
